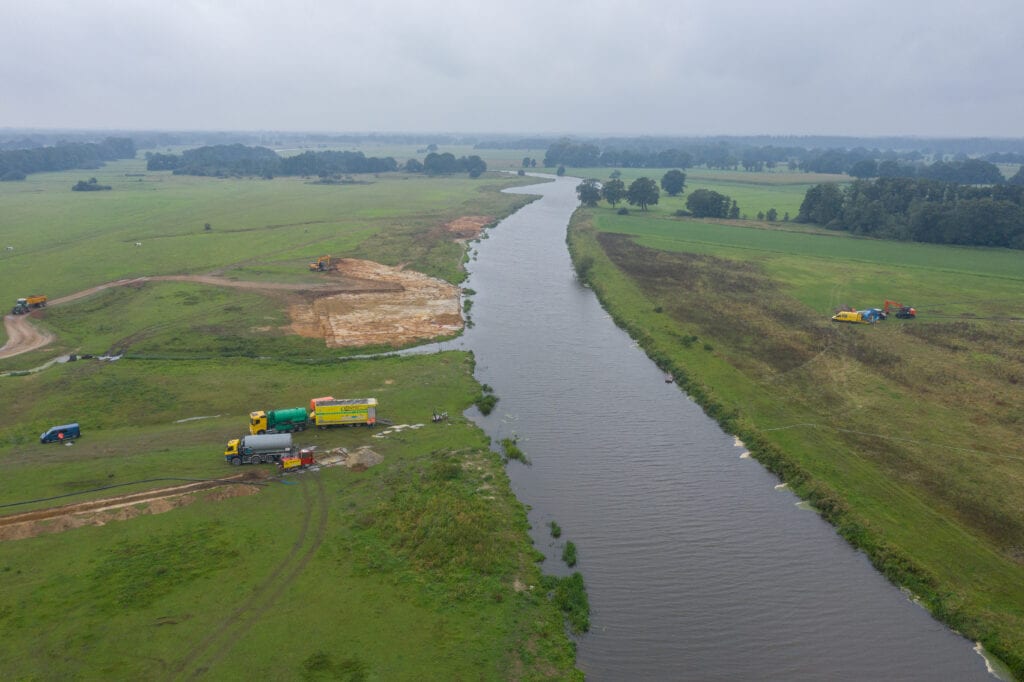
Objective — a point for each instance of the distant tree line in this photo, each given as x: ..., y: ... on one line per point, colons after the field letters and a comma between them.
x: 16, y: 164
x: 242, y: 160
x: 922, y: 210
x: 720, y: 154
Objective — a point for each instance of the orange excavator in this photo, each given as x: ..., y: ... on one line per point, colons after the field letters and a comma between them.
x: 323, y: 264
x: 904, y: 312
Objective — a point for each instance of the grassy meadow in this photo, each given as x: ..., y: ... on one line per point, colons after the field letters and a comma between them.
x: 904, y: 434
x: 420, y: 567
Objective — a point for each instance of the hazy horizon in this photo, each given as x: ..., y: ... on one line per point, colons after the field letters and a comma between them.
x: 695, y: 69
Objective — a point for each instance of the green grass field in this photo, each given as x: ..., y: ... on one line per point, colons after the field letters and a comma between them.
x: 417, y: 568
x: 904, y: 434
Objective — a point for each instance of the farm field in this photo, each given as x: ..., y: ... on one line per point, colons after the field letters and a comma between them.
x: 407, y: 557
x: 904, y: 434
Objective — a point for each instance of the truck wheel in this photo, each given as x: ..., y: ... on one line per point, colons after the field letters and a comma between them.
x: 235, y: 461
x: 261, y: 432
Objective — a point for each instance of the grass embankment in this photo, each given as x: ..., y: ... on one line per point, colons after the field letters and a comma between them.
x: 904, y: 434
x: 417, y: 568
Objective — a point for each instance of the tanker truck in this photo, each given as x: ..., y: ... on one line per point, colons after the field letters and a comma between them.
x: 278, y: 421
x: 260, y: 448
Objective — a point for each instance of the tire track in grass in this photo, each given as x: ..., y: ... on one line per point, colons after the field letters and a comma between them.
x: 218, y: 643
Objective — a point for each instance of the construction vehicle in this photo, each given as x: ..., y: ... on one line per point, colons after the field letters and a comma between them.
x: 868, y: 316
x: 278, y: 421
x: 903, y: 312
x: 302, y: 459
x: 250, y: 449
x: 352, y: 412
x: 28, y: 304
x: 323, y: 264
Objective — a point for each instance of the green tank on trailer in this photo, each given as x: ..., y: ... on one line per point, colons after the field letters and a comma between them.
x: 278, y: 421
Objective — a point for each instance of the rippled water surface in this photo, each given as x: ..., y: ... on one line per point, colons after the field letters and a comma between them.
x: 697, y: 567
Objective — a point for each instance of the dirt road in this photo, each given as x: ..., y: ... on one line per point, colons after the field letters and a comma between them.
x: 122, y: 507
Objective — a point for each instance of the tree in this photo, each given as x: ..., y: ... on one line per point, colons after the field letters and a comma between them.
x: 674, y: 182
x: 561, y: 171
x: 588, y: 192
x: 613, y: 191
x: 1017, y: 179
x: 474, y: 165
x: 865, y: 168
x: 526, y: 162
x: 772, y: 215
x: 706, y: 203
x: 822, y: 204
x: 643, y: 192
x: 413, y: 166
x: 615, y: 174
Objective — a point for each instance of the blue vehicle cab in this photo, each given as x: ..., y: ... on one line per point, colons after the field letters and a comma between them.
x: 59, y: 434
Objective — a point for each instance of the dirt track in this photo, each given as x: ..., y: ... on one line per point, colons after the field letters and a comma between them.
x: 119, y: 508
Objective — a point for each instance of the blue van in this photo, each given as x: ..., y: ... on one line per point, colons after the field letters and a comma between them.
x: 59, y: 434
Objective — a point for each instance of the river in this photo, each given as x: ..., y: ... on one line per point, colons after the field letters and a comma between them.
x: 697, y: 563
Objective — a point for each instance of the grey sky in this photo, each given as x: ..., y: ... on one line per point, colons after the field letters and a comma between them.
x: 868, y: 67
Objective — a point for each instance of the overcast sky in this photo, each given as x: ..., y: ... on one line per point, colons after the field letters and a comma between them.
x: 691, y: 67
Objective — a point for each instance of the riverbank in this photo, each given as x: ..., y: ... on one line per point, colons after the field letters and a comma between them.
x: 734, y: 343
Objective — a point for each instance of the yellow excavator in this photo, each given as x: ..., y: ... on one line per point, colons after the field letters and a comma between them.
x: 323, y: 264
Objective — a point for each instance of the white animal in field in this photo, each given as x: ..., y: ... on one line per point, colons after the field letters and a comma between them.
x: 138, y: 243
x: 8, y: 248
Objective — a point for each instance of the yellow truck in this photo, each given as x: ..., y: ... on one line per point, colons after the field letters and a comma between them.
x: 26, y: 305
x: 351, y: 412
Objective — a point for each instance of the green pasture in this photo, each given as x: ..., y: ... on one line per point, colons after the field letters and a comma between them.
x: 65, y: 241
x: 402, y: 571
x: 261, y: 230
x: 904, y: 434
x: 407, y: 570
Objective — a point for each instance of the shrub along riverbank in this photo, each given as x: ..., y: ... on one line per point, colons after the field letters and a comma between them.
x: 903, y: 435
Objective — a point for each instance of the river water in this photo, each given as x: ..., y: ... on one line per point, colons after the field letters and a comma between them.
x: 697, y: 563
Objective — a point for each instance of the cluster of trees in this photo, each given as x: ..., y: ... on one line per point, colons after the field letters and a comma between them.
x: 706, y: 203
x: 446, y: 164
x: 642, y: 192
x: 16, y: 164
x: 965, y: 171
x: 921, y: 210
x: 242, y: 160
x: 239, y: 159
x: 92, y: 185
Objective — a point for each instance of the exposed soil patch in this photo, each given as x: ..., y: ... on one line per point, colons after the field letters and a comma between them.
x: 468, y: 227
x: 120, y: 508
x: 407, y: 306
x: 22, y: 336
